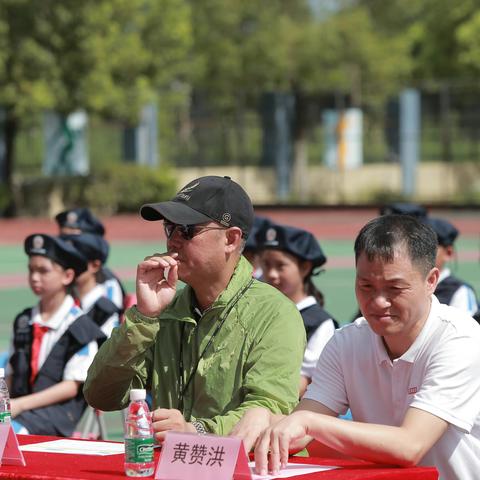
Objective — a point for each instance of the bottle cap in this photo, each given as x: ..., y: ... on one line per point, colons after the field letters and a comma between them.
x: 138, y: 394
x: 2, y: 373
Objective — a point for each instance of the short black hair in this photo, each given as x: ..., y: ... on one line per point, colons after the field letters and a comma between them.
x: 379, y: 237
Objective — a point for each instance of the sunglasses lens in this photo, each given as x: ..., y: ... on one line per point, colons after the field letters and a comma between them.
x: 188, y: 231
x: 169, y: 229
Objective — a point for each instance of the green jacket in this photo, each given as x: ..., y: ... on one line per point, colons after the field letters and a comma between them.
x: 253, y: 360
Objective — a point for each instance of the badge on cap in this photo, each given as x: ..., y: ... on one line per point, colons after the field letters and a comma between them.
x: 226, y: 217
x: 72, y: 217
x: 38, y: 243
x: 184, y: 191
x: 271, y: 235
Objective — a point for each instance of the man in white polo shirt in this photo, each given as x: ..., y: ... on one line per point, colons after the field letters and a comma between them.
x: 409, y: 370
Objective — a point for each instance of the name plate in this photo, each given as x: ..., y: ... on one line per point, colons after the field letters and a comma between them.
x: 189, y: 456
x: 10, y: 453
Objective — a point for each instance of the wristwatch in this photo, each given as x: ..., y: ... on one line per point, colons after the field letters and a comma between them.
x: 199, y: 427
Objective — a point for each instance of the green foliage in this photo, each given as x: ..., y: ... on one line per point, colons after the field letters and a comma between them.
x: 113, y: 189
x: 125, y: 187
x: 99, y: 55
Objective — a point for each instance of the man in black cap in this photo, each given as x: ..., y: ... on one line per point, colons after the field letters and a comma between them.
x: 53, y: 343
x: 450, y: 289
x: 224, y: 343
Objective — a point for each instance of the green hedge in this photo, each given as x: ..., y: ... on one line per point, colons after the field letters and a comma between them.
x: 114, y: 189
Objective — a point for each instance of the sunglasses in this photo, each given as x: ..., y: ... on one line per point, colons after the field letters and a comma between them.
x: 187, y: 232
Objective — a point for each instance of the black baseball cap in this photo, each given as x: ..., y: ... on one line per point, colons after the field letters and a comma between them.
x: 259, y: 223
x: 401, y: 208
x: 296, y: 241
x: 57, y: 250
x: 81, y: 219
x: 91, y: 246
x: 205, y: 199
x: 446, y: 232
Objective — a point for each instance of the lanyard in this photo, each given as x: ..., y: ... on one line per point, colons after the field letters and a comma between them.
x: 183, y: 387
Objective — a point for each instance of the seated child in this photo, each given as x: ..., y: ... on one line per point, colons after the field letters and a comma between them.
x: 75, y: 221
x: 89, y: 285
x: 289, y: 257
x: 450, y: 289
x: 53, y: 343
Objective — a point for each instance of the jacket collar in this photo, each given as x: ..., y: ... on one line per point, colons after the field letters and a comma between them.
x: 183, y: 306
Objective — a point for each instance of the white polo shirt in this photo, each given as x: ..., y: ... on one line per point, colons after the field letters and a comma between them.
x: 77, y: 367
x: 317, y: 341
x: 440, y: 373
x: 89, y: 301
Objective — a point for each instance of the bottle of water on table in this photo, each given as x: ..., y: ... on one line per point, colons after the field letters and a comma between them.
x: 138, y: 436
x: 4, y: 399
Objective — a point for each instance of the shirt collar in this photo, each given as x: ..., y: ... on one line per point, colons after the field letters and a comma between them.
x: 411, y: 354
x: 444, y: 274
x: 306, y: 302
x: 88, y: 301
x: 57, y: 318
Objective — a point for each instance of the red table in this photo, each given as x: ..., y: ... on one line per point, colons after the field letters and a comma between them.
x: 48, y: 466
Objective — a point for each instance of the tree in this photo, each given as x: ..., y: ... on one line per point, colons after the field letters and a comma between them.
x: 245, y: 48
x: 106, y: 56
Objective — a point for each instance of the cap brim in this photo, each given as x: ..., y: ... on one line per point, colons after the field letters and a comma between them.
x: 174, y: 212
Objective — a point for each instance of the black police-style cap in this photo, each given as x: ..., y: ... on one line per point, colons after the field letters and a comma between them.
x: 446, y: 232
x: 205, y: 199
x: 91, y: 246
x: 259, y: 223
x: 55, y: 249
x: 298, y: 242
x: 399, y: 208
x: 81, y: 219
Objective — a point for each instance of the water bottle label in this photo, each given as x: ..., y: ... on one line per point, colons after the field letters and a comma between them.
x: 4, y: 417
x: 138, y: 450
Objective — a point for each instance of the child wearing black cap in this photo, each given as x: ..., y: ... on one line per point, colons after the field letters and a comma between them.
x: 53, y: 343
x: 250, y: 251
x: 289, y: 257
x: 450, y: 289
x: 89, y: 286
x: 75, y: 221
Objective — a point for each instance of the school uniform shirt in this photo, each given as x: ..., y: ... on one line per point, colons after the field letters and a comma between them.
x: 89, y: 300
x: 76, y: 368
x: 113, y: 289
x: 318, y: 339
x: 464, y: 297
x: 439, y: 373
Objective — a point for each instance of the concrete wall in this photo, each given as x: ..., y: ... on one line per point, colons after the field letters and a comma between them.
x: 435, y: 183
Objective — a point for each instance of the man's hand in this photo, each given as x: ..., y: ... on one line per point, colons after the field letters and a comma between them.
x: 156, y: 283
x: 165, y: 419
x: 253, y: 423
x: 272, y: 448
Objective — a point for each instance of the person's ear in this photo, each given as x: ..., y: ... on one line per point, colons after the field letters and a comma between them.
x: 449, y: 250
x: 432, y: 280
x: 94, y: 266
x: 304, y: 267
x: 233, y: 238
x: 69, y: 276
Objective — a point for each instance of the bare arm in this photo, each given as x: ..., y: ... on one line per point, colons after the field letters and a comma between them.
x: 404, y: 445
x: 304, y: 382
x: 55, y: 394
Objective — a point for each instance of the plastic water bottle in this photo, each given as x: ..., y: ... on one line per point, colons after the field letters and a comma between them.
x: 138, y: 436
x: 4, y: 399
